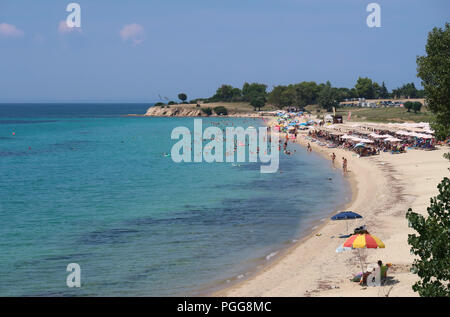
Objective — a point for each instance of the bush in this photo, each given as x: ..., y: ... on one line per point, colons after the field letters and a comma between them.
x: 160, y: 104
x: 197, y: 105
x: 221, y: 110
x: 417, y: 106
x: 207, y: 111
x: 171, y: 103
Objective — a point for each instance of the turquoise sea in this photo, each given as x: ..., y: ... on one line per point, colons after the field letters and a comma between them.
x: 81, y: 183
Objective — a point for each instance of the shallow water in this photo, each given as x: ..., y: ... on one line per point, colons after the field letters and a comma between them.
x: 82, y: 184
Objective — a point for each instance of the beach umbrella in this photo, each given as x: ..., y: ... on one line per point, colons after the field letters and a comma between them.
x: 363, y: 241
x: 359, y: 145
x: 391, y: 139
x: 346, y: 215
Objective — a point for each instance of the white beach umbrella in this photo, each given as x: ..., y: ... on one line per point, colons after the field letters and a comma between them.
x: 392, y: 140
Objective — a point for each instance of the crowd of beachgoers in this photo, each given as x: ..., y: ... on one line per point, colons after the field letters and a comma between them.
x: 377, y: 196
x: 361, y: 137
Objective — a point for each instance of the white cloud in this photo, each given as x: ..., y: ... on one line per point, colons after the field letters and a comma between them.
x: 64, y: 29
x: 10, y: 30
x: 133, y: 32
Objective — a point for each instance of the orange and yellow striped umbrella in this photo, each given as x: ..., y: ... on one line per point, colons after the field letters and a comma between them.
x: 365, y: 240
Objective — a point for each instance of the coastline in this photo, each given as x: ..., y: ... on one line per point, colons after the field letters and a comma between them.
x: 383, y: 189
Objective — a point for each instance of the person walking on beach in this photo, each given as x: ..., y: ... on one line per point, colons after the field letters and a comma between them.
x: 344, y: 165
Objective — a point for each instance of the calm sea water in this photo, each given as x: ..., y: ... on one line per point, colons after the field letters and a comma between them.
x: 82, y: 184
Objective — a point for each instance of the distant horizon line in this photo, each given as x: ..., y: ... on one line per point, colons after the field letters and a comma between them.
x: 76, y: 102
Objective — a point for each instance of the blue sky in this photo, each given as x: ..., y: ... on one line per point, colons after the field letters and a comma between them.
x: 134, y: 51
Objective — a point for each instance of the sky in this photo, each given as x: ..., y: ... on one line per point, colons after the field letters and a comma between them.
x: 140, y: 51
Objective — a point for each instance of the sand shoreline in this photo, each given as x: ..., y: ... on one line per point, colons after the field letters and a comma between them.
x: 383, y: 189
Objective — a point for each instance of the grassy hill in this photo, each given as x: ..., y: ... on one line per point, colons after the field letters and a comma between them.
x: 394, y: 114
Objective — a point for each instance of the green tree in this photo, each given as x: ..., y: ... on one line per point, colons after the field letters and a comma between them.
x: 417, y: 106
x: 406, y: 91
x: 364, y: 88
x: 182, y: 97
x: 383, y: 92
x: 345, y: 93
x: 433, y: 69
x: 289, y: 97
x: 223, y: 93
x: 307, y: 93
x: 236, y: 95
x: 408, y: 105
x: 258, y: 101
x: 207, y: 111
x: 252, y: 91
x: 432, y: 245
x: 328, y: 98
x: 275, y: 97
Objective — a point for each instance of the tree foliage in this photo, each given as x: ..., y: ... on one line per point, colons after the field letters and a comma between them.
x: 227, y: 93
x: 433, y: 69
x: 207, y: 111
x: 182, y: 97
x: 408, y: 90
x: 416, y: 106
x: 432, y: 245
x: 365, y: 88
x: 253, y: 91
x: 221, y: 110
x: 328, y: 98
x: 258, y: 102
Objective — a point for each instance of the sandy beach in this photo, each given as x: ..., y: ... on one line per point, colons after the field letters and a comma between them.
x: 384, y: 187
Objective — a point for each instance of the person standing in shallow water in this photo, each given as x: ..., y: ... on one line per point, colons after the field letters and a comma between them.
x: 333, y: 157
x: 309, y: 148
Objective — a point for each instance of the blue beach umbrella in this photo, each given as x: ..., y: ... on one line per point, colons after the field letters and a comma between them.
x: 346, y: 215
